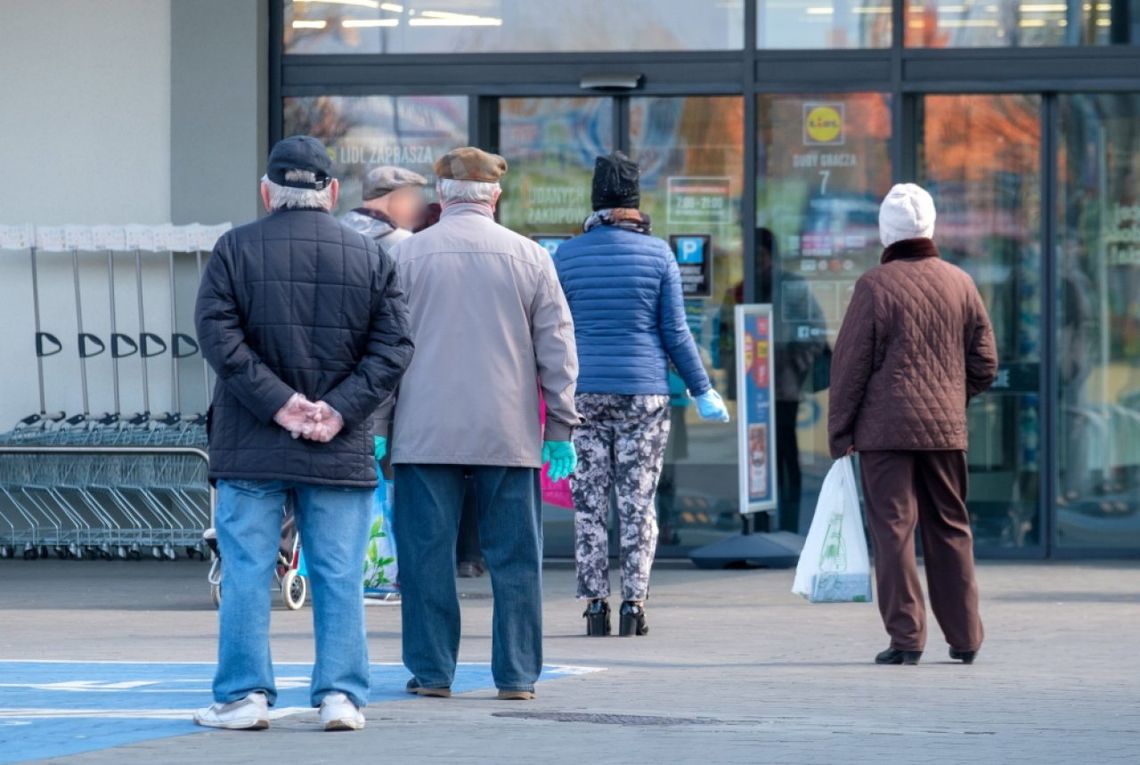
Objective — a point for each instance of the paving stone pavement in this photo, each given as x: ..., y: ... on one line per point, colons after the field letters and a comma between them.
x: 735, y: 670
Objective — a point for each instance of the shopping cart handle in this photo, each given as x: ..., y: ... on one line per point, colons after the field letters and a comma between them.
x: 111, y: 418
x: 168, y: 418
x: 146, y: 339
x: 76, y: 419
x: 84, y: 351
x: 41, y: 338
x: 178, y: 340
x: 140, y: 419
x: 118, y: 340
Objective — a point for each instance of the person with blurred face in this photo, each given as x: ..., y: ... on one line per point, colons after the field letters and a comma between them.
x: 393, y: 206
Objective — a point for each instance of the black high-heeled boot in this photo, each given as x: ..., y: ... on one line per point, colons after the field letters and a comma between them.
x: 633, y: 619
x: 597, y: 618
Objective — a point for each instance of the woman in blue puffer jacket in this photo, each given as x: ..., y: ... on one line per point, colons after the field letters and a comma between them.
x: 624, y: 291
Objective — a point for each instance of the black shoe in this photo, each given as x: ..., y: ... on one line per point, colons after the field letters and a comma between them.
x: 966, y: 657
x: 633, y: 619
x: 895, y: 656
x: 597, y: 618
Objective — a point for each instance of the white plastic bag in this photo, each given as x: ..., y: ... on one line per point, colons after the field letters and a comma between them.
x: 834, y: 566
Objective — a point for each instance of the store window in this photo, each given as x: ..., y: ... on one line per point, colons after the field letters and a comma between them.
x: 1098, y: 326
x: 814, y: 24
x: 1021, y: 23
x: 979, y: 155
x: 550, y: 145
x: 691, y: 152
x: 823, y: 165
x: 511, y: 26
x: 365, y: 131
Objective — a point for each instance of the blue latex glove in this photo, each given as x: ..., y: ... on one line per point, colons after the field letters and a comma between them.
x: 710, y: 406
x: 379, y: 447
x: 563, y: 459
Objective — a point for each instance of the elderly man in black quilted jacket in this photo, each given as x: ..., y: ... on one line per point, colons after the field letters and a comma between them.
x: 304, y: 323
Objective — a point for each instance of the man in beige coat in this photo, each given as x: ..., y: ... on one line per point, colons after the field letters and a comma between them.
x: 492, y: 332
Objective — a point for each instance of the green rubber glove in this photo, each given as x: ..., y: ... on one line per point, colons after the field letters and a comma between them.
x: 379, y: 447
x: 563, y: 459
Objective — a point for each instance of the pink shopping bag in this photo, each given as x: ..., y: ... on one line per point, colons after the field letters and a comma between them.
x: 555, y: 493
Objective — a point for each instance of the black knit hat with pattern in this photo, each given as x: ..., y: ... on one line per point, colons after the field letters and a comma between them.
x: 617, y: 182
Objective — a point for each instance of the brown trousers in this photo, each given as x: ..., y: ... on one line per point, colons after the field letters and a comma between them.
x: 927, y: 489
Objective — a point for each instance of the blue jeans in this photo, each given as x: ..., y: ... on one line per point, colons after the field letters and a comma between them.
x: 429, y: 502
x: 333, y: 523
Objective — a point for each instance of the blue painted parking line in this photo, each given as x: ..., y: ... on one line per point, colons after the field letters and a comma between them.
x: 51, y: 709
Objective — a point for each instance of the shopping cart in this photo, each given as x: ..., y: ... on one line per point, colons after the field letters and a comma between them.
x: 116, y: 484
x: 294, y: 587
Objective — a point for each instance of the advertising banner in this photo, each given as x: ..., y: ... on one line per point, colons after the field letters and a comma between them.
x: 756, y: 419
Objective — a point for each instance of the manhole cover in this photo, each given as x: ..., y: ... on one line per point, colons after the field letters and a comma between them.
x: 605, y: 719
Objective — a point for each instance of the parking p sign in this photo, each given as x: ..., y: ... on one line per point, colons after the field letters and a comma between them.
x: 694, y: 258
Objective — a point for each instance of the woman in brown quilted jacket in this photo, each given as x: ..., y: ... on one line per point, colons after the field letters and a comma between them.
x: 915, y: 347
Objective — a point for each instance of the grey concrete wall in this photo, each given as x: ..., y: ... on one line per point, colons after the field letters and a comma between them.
x: 85, y: 111
x: 218, y: 108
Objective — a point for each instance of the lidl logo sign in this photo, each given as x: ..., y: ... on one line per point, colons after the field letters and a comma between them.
x: 823, y: 124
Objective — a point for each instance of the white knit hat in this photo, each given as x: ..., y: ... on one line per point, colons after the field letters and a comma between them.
x: 907, y: 212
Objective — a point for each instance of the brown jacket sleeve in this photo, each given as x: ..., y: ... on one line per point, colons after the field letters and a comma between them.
x: 851, y: 365
x: 981, y: 356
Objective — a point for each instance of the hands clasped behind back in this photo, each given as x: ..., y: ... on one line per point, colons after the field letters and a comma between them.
x: 305, y: 419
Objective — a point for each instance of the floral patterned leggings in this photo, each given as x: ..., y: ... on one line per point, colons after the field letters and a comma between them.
x: 621, y: 448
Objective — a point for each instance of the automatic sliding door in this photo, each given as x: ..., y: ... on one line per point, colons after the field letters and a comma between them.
x: 823, y: 164
x: 980, y: 158
x: 691, y: 152
x: 550, y: 145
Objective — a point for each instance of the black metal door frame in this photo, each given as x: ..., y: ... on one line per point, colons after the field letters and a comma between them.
x: 904, y: 73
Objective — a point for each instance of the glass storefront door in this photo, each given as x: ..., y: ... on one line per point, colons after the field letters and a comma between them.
x: 979, y: 155
x: 1098, y: 322
x: 691, y: 152
x: 362, y: 132
x: 822, y: 165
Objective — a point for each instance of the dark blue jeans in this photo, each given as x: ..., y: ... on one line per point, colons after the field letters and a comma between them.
x: 429, y: 502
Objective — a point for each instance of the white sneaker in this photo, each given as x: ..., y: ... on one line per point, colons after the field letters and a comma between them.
x: 250, y: 713
x: 339, y: 713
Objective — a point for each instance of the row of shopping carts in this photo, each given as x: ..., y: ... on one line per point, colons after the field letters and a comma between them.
x: 110, y: 485
x: 111, y: 490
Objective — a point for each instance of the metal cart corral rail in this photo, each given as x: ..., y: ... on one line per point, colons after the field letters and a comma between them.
x: 104, y: 501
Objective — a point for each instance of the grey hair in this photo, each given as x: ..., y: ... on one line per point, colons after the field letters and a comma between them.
x: 451, y: 190
x: 291, y: 198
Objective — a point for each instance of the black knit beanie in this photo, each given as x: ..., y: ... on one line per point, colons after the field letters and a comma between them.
x: 617, y: 182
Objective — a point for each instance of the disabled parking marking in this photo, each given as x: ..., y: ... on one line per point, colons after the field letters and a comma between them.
x: 57, y: 708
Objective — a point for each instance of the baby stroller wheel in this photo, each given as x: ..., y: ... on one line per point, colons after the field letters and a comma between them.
x: 216, y: 595
x: 294, y: 589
